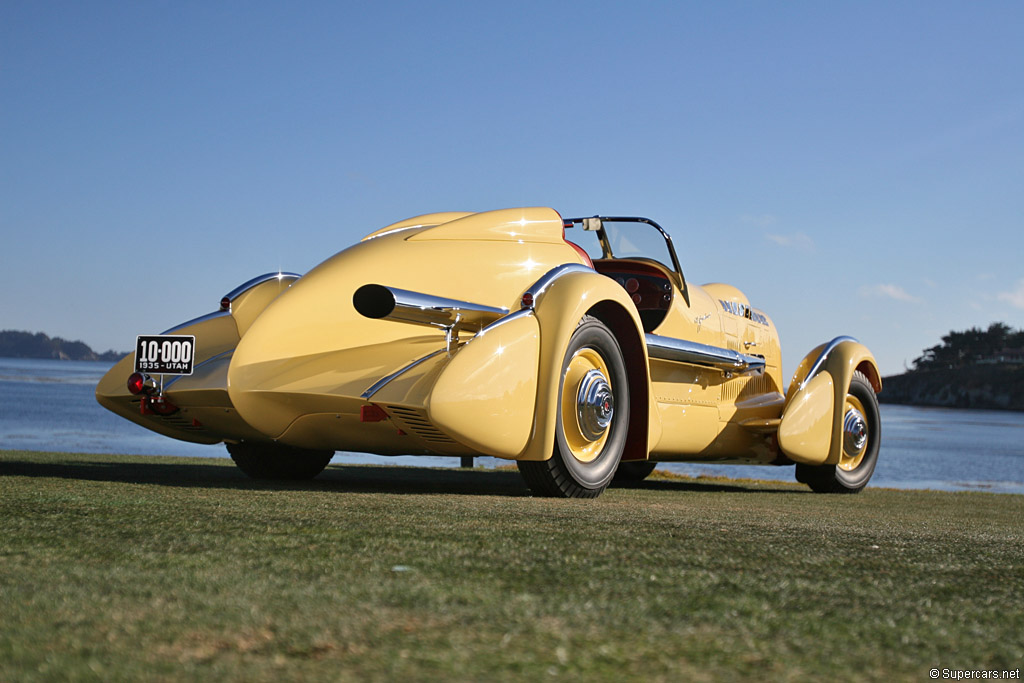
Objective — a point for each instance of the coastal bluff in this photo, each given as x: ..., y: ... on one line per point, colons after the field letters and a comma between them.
x: 989, y: 387
x: 18, y: 344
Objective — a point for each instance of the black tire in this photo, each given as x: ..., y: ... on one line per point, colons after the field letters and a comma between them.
x: 581, y: 467
x: 633, y: 471
x: 276, y: 462
x: 857, y: 465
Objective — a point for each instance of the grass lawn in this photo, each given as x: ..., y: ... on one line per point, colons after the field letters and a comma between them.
x: 120, y: 568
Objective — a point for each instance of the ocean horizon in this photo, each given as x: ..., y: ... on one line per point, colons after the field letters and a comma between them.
x: 50, y: 405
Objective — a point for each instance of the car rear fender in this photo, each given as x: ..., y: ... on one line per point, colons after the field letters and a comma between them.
x: 217, y: 334
x: 559, y: 307
x: 249, y: 299
x: 812, y: 420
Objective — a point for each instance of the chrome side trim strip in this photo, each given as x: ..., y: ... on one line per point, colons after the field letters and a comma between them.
x: 683, y: 351
x: 259, y: 280
x: 537, y: 289
x: 236, y: 292
x: 213, y: 359
x: 195, y: 321
x: 514, y: 315
x: 823, y: 356
x: 402, y: 229
x: 382, y: 382
x: 209, y: 360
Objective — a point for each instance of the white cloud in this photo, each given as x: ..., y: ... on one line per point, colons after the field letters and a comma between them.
x: 894, y: 292
x: 1015, y: 298
x: 797, y: 240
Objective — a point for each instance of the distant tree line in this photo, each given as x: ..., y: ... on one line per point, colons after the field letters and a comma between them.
x: 998, y: 344
x: 18, y: 344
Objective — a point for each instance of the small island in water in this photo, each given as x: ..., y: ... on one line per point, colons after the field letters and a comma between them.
x: 18, y: 344
x: 976, y: 368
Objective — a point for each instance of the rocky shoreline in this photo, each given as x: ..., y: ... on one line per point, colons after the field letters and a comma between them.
x: 987, y: 387
x: 19, y: 344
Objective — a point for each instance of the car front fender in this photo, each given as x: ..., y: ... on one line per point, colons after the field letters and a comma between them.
x: 812, y: 421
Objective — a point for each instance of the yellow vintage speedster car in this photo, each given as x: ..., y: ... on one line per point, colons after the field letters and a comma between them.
x: 574, y: 347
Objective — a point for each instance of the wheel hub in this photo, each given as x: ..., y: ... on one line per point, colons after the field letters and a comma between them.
x: 595, y: 405
x: 855, y: 432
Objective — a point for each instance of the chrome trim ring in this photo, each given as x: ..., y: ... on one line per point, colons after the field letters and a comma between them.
x: 855, y: 432
x: 823, y: 356
x: 259, y: 280
x: 595, y: 405
x: 537, y: 289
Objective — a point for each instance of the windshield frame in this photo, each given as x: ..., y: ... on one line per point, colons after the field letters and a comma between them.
x: 606, y: 246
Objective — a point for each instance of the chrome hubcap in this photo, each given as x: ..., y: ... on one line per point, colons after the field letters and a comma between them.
x: 595, y: 405
x: 855, y: 432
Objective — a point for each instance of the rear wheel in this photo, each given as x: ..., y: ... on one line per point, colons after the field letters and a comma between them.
x: 276, y: 462
x: 593, y: 412
x: 862, y: 435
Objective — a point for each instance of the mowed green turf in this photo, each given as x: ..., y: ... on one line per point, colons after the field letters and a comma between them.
x: 122, y: 568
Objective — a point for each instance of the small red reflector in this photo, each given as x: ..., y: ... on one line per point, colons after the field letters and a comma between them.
x: 527, y: 300
x: 372, y: 413
x: 160, y: 405
x: 225, y: 304
x: 136, y: 383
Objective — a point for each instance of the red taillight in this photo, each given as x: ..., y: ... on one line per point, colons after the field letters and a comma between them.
x: 527, y: 301
x: 136, y: 383
x: 372, y: 413
x: 225, y: 304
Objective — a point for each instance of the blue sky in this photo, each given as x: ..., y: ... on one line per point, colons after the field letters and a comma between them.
x: 855, y: 167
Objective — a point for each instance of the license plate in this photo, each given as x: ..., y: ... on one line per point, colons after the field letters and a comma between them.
x: 165, y: 354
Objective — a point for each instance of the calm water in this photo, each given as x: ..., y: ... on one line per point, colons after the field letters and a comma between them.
x: 49, y: 405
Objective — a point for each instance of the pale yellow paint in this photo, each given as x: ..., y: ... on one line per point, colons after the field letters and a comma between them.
x: 805, y: 434
x: 537, y: 225
x: 559, y: 311
x: 214, y: 336
x: 251, y: 303
x: 301, y: 357
x: 485, y: 397
x: 427, y: 220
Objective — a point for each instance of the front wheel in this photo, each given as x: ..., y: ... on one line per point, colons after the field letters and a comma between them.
x: 276, y: 462
x: 862, y: 435
x: 592, y: 418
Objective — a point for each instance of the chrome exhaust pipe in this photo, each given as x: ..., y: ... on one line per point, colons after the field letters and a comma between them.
x: 682, y: 351
x: 390, y: 303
